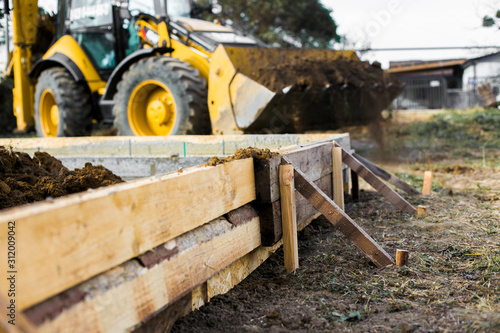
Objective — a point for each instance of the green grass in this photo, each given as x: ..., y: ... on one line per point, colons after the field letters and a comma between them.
x: 467, y: 128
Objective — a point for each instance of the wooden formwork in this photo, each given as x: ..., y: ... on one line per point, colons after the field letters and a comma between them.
x: 114, y: 258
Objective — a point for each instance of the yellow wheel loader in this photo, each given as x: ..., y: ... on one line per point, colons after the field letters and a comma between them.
x: 149, y: 68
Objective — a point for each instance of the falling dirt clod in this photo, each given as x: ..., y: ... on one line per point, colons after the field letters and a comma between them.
x: 315, y: 90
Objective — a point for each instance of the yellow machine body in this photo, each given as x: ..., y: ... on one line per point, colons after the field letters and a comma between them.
x: 67, y: 46
x: 24, y: 22
x: 237, y: 102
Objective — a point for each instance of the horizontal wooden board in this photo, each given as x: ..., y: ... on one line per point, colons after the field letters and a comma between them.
x: 219, y: 284
x: 67, y: 241
x: 125, y: 305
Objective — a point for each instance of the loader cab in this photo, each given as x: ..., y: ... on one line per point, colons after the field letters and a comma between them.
x: 93, y: 24
x: 105, y: 28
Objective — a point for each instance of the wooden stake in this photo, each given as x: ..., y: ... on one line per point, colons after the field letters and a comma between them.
x: 338, y: 191
x: 402, y: 257
x: 422, y: 210
x: 289, y: 217
x: 426, y: 189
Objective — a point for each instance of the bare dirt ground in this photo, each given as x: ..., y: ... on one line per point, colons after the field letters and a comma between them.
x: 452, y: 283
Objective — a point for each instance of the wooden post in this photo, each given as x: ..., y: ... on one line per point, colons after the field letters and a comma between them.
x: 402, y: 257
x: 338, y: 190
x: 422, y: 210
x: 289, y: 217
x: 355, y: 186
x: 426, y: 189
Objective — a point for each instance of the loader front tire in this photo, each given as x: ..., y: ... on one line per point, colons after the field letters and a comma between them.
x: 62, y: 105
x: 161, y: 96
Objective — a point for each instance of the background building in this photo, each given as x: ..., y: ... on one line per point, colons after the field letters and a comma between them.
x: 445, y: 83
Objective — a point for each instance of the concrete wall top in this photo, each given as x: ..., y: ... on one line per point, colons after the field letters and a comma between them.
x: 164, y: 146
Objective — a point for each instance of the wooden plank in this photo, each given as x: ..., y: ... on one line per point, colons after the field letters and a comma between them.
x: 355, y: 186
x: 123, y: 305
x: 378, y: 171
x: 338, y: 177
x: 220, y: 283
x: 377, y: 184
x: 165, y: 320
x: 289, y: 218
x: 270, y: 214
x: 69, y: 240
x: 427, y: 188
x: 339, y: 219
x: 233, y: 274
x: 225, y: 280
x: 315, y: 161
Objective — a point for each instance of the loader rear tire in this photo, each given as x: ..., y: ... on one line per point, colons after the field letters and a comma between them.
x: 62, y: 105
x: 161, y: 96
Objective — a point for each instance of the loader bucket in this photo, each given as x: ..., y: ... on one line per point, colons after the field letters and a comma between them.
x: 260, y: 90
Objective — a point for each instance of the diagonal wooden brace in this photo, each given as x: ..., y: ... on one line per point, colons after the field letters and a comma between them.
x: 378, y: 171
x: 341, y: 220
x: 377, y: 184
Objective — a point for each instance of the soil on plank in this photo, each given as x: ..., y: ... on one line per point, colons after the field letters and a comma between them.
x: 243, y: 153
x: 25, y: 179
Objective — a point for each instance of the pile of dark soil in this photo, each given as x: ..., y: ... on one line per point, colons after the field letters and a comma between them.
x: 243, y: 153
x: 24, y: 179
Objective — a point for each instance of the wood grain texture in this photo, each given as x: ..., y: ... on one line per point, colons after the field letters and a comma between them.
x: 314, y: 160
x: 165, y: 320
x: 427, y: 188
x: 221, y: 282
x: 218, y: 284
x: 270, y: 214
x: 289, y: 218
x: 67, y: 241
x: 391, y: 195
x: 127, y: 304
x: 387, y: 176
x: 402, y: 257
x: 338, y: 177
x: 339, y: 219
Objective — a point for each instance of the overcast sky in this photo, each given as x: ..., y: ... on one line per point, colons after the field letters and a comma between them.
x: 421, y: 23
